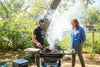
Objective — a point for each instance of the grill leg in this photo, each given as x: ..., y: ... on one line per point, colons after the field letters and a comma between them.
x: 38, y: 60
x: 60, y: 63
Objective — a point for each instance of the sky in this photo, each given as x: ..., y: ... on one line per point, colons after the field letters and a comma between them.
x: 97, y: 3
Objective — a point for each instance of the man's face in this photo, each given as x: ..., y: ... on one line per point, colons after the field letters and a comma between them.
x: 41, y: 24
x: 73, y: 25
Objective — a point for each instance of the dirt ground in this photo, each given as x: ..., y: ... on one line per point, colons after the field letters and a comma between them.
x: 89, y: 63
x: 66, y: 62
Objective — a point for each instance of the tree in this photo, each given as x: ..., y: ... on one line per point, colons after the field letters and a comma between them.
x: 91, y: 16
x: 18, y: 22
x: 9, y: 7
x: 50, y: 12
x: 37, y: 7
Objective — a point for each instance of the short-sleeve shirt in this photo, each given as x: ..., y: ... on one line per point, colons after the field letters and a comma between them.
x: 39, y: 35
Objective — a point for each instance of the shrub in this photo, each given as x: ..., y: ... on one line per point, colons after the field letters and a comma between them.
x: 16, y: 32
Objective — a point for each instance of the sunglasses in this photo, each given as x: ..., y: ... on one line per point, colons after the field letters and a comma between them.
x: 72, y: 23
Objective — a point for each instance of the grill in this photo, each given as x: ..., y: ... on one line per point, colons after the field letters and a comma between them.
x: 51, y: 58
x: 52, y: 54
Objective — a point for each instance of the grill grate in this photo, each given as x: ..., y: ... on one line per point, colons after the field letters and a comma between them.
x: 52, y: 54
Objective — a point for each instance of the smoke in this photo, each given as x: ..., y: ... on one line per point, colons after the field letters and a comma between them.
x: 60, y: 24
x: 60, y: 20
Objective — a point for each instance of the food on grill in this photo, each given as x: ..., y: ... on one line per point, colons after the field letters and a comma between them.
x: 32, y: 50
x: 47, y: 49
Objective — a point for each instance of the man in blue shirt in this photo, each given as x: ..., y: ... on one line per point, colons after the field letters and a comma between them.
x: 78, y: 38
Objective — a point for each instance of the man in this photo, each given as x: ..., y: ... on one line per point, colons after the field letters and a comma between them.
x: 78, y: 38
x: 38, y: 39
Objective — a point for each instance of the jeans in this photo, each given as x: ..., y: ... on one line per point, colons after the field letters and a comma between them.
x: 78, y: 50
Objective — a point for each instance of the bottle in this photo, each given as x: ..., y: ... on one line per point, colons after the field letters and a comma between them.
x: 73, y: 50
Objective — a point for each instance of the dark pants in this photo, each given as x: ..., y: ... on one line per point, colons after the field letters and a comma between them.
x: 78, y: 50
x: 37, y: 58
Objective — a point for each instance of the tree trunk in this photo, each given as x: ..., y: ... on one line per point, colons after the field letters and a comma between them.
x: 93, y: 42
x: 13, y: 42
x: 50, y: 13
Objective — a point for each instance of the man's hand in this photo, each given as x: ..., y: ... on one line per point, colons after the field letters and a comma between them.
x: 39, y: 45
x: 83, y: 43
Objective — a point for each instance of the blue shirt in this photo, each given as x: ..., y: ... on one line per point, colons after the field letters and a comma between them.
x: 77, y: 36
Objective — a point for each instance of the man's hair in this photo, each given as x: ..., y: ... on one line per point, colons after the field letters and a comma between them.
x: 75, y: 21
x: 41, y: 20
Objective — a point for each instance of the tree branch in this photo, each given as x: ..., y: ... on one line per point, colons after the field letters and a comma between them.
x: 4, y: 9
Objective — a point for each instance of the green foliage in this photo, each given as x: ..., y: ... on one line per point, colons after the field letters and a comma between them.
x: 97, y: 42
x: 8, y: 8
x: 30, y: 57
x: 18, y: 22
x: 97, y: 27
x: 88, y: 39
x: 18, y: 29
x: 46, y: 42
x: 21, y: 54
x: 88, y: 44
x: 65, y: 43
x: 91, y: 16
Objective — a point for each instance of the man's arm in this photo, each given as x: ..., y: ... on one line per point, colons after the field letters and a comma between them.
x: 35, y: 41
x: 83, y: 36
